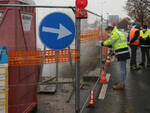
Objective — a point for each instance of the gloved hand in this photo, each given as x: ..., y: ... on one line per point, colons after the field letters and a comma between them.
x: 110, y: 46
x: 99, y: 43
x: 128, y: 43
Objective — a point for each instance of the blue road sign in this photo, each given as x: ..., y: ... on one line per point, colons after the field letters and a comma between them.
x: 57, y: 31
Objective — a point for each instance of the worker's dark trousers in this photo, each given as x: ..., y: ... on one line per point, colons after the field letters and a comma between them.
x: 145, y: 53
x: 133, y: 55
x: 123, y: 71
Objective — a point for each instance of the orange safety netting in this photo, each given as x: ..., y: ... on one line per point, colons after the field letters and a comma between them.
x: 104, y: 49
x: 89, y: 36
x: 22, y: 58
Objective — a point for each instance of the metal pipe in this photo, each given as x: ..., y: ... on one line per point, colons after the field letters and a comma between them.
x: 77, y: 63
x: 57, y: 52
x: 72, y: 72
x: 34, y: 6
x: 43, y: 6
x: 71, y: 65
x: 94, y: 13
x: 58, y: 82
x: 42, y: 65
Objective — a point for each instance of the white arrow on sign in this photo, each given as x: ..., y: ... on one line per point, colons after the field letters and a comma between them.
x: 62, y: 31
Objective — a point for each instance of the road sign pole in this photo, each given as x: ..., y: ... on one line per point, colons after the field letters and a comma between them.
x: 41, y: 69
x: 77, y: 63
x: 70, y: 58
x: 72, y: 72
x: 57, y: 52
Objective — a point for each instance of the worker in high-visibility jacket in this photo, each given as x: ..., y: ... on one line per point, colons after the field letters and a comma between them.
x: 119, y: 43
x: 145, y: 45
x: 133, y: 41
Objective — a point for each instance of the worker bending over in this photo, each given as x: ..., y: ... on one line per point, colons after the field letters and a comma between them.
x: 119, y: 43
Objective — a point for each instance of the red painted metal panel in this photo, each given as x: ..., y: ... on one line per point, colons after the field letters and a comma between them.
x: 23, y: 79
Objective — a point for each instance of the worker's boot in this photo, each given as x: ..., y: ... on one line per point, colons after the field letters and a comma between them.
x: 142, y: 65
x: 135, y: 68
x: 132, y: 68
x: 138, y: 67
x: 148, y: 64
x: 118, y: 86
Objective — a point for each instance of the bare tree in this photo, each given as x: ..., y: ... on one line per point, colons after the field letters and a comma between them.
x: 148, y: 21
x: 138, y: 10
x: 123, y: 23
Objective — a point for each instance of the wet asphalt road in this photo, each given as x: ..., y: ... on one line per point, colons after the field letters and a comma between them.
x: 134, y: 99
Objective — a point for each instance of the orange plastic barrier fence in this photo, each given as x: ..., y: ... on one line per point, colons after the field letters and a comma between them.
x: 104, y: 49
x: 22, y: 58
x: 88, y: 36
x: 104, y: 53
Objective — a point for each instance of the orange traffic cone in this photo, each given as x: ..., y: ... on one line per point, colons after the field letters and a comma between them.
x: 108, y: 60
x: 103, y: 76
x: 91, y: 99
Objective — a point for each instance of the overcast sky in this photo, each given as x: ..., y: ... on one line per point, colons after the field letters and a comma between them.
x: 114, y: 7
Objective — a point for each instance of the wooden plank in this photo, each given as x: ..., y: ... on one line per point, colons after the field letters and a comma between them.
x: 47, y: 88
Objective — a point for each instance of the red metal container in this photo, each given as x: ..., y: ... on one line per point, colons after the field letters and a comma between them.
x: 18, y: 33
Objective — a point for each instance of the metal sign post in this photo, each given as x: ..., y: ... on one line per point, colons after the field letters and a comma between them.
x: 80, y: 13
x: 57, y: 53
x: 72, y: 72
x: 77, y: 63
x: 71, y: 65
x: 57, y: 34
x: 41, y: 69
